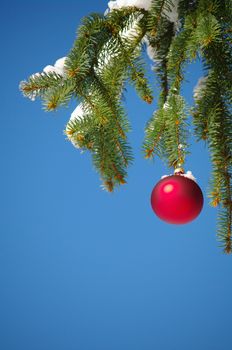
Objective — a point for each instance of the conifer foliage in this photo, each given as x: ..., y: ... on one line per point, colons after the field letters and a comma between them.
x: 108, y: 54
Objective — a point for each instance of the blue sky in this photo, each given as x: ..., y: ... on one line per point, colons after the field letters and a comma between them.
x: 81, y: 269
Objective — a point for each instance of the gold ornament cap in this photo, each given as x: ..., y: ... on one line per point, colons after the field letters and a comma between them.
x: 178, y: 171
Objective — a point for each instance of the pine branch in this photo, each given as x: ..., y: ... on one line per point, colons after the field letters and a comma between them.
x: 58, y: 95
x: 156, y: 15
x: 95, y: 32
x: 153, y: 135
x: 107, y: 54
x: 177, y: 58
x: 138, y: 79
x: 159, y: 46
x: 167, y: 137
x: 38, y: 84
x: 105, y: 104
x: 175, y: 137
x: 213, y: 123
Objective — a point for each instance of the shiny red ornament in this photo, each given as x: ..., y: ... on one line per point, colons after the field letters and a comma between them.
x: 177, y: 199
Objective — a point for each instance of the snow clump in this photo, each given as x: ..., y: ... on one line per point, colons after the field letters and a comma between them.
x: 188, y: 174
x: 199, y: 88
x: 117, y: 4
x: 171, y: 14
x: 77, y: 114
x: 58, y: 67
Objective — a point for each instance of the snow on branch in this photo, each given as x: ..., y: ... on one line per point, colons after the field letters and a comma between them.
x: 171, y: 14
x: 58, y: 67
x: 117, y: 4
x: 199, y: 88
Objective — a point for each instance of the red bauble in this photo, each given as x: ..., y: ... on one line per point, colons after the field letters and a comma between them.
x: 177, y: 199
